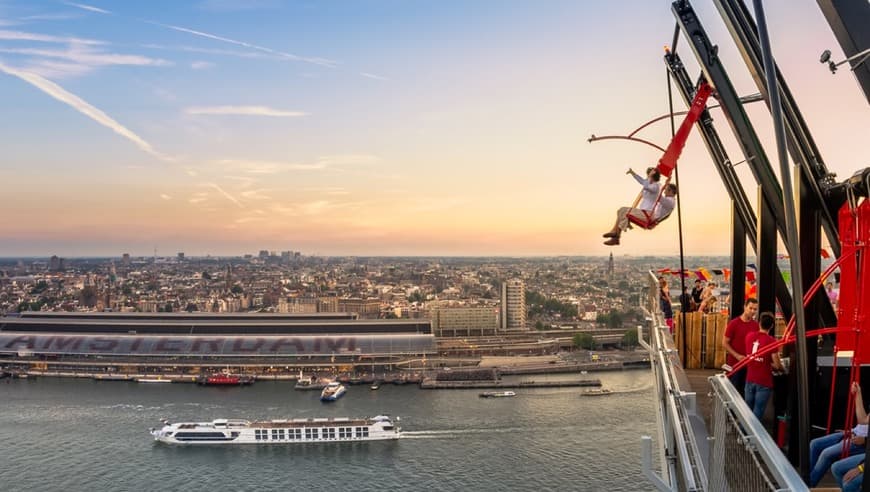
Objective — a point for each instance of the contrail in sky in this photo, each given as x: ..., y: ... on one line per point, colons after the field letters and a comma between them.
x: 83, y: 107
x: 317, y: 61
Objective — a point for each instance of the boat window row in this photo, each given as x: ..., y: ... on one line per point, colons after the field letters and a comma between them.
x: 310, y: 433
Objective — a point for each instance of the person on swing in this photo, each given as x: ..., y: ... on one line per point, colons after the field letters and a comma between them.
x: 644, y: 211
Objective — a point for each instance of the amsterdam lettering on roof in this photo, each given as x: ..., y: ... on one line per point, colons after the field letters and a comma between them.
x: 212, y: 345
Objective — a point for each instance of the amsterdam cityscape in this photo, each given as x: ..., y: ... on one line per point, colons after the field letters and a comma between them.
x: 391, y: 245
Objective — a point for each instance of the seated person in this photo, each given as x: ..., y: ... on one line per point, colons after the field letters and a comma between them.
x: 849, y: 473
x: 825, y: 450
x: 662, y: 210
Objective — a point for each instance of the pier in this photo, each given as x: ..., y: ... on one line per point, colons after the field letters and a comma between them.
x: 434, y: 384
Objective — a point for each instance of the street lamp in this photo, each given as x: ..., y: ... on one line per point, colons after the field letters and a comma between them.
x: 860, y: 57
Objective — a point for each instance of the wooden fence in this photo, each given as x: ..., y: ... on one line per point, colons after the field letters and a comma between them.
x: 704, y: 334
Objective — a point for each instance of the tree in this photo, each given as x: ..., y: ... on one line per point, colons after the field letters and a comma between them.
x: 539, y: 325
x: 191, y: 307
x: 206, y: 276
x: 168, y: 307
x: 584, y: 341
x: 614, y: 319
x: 629, y: 340
x: 88, y: 296
x: 237, y: 289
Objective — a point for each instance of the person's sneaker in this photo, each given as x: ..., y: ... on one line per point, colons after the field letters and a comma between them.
x: 610, y: 234
x: 614, y: 241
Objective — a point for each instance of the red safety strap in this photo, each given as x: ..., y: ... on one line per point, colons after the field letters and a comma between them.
x: 669, y: 161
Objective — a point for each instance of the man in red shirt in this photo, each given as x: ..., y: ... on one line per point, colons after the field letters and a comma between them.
x: 734, y: 340
x: 759, y: 371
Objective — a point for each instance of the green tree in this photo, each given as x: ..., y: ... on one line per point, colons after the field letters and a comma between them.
x: 614, y: 319
x: 168, y: 307
x: 539, y: 325
x: 191, y: 307
x: 237, y: 289
x: 629, y: 340
x: 584, y: 341
x: 88, y: 296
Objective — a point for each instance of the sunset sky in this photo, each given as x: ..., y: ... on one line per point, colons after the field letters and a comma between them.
x: 370, y: 127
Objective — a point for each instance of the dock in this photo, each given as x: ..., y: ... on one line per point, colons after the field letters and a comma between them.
x: 433, y: 384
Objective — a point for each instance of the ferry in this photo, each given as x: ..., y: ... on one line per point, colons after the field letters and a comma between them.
x: 232, y: 431
x: 153, y: 380
x: 333, y: 391
x: 596, y: 392
x: 223, y: 379
x: 497, y: 394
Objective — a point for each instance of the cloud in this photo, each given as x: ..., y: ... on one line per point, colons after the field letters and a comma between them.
x: 211, y: 51
x: 89, y: 57
x: 273, y: 167
x: 245, y: 220
x: 328, y: 190
x: 236, y: 5
x: 50, y: 17
x: 201, y: 65
x: 373, y: 76
x: 165, y: 196
x: 242, y: 111
x: 85, y: 108
x: 44, y: 38
x: 225, y: 194
x: 317, y: 61
x: 256, y: 194
x: 89, y: 8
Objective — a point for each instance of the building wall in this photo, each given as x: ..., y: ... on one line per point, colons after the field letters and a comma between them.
x: 464, y: 321
x: 513, y: 305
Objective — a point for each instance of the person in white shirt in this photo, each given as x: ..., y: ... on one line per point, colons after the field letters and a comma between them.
x: 649, y: 217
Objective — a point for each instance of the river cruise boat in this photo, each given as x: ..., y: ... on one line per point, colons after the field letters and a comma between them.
x: 230, y: 431
x: 497, y: 394
x: 333, y: 391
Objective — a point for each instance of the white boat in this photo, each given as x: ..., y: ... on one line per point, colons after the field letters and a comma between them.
x: 376, y: 385
x: 285, y: 431
x: 153, y: 380
x: 497, y: 394
x: 596, y: 392
x: 333, y: 391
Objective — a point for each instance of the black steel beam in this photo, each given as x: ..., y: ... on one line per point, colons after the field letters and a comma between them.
x: 765, y: 257
x: 849, y: 20
x: 744, y: 212
x: 815, y: 179
x: 738, y: 260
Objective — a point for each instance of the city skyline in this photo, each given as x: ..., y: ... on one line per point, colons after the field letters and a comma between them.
x: 375, y: 128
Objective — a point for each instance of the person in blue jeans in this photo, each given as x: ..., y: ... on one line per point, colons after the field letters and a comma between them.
x: 825, y: 450
x: 759, y: 371
x: 849, y: 473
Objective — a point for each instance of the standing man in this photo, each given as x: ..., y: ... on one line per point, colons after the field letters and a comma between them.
x: 696, y: 293
x: 759, y: 371
x: 734, y: 340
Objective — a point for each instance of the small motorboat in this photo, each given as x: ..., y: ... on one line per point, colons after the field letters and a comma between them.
x: 596, y: 392
x: 497, y: 394
x: 376, y: 385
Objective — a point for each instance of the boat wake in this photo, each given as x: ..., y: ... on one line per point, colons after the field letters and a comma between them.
x: 454, y: 433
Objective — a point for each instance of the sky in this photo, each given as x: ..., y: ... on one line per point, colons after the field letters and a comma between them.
x: 372, y: 127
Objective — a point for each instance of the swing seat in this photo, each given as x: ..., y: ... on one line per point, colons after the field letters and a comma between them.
x: 647, y: 221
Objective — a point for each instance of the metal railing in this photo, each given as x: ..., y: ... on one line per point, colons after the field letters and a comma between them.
x: 740, y: 456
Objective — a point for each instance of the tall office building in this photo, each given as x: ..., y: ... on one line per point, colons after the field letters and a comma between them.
x: 513, y: 305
